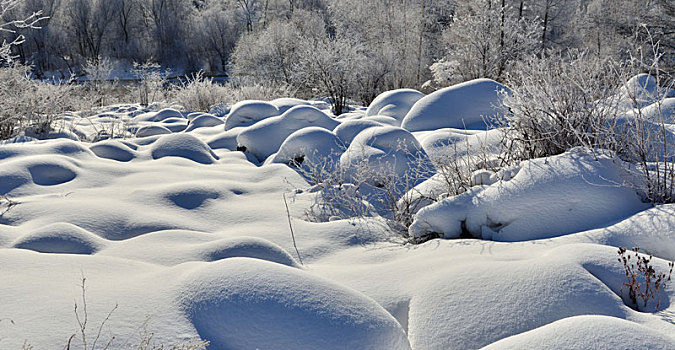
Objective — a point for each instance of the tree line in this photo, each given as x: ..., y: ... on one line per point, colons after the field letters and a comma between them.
x: 346, y: 49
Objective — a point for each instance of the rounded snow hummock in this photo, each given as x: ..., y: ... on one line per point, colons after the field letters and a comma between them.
x: 163, y: 114
x: 185, y: 146
x: 60, y: 238
x: 313, y: 144
x: 204, y: 120
x: 475, y: 104
x: 389, y: 152
x: 348, y: 129
x: 113, y: 149
x: 152, y: 130
x: 394, y: 103
x: 249, y: 112
x: 51, y: 171
x: 265, y: 137
x: 247, y: 247
x: 244, y: 303
x: 286, y: 103
x: 588, y: 332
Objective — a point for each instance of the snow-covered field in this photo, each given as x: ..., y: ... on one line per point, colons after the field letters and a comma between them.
x: 189, y: 238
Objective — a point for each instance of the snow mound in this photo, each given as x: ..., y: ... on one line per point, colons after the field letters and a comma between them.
x: 543, y: 287
x: 194, y: 115
x: 314, y: 143
x: 665, y: 109
x: 474, y: 104
x: 548, y: 197
x: 226, y: 139
x: 204, y: 120
x: 11, y: 178
x: 183, y: 145
x: 63, y: 134
x: 175, y: 124
x: 384, y: 120
x: 348, y: 130
x: 643, y: 88
x: 446, y: 144
x: 651, y: 230
x: 60, y: 238
x: 158, y: 116
x: 265, y: 137
x: 152, y: 130
x: 394, y: 103
x: 286, y: 103
x: 243, y: 303
x: 588, y: 332
x: 388, y: 151
x: 247, y: 247
x: 113, y: 149
x: 247, y: 113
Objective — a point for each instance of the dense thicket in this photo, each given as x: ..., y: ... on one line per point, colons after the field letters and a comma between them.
x: 341, y: 48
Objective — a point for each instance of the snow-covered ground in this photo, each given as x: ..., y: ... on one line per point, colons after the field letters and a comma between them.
x: 189, y: 238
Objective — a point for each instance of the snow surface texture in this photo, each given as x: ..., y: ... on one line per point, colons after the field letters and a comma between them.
x: 190, y: 237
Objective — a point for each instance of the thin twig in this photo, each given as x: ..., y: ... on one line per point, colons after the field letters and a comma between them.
x: 290, y: 225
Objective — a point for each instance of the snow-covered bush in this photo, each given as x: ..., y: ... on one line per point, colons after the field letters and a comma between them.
x: 151, y: 81
x: 560, y: 103
x: 376, y: 175
x: 199, y: 93
x: 99, y: 74
x: 32, y: 105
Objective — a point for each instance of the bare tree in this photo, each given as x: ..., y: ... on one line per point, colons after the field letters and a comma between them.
x: 12, y: 25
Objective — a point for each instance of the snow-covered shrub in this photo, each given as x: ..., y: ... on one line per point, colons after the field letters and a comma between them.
x: 376, y: 175
x: 151, y: 81
x: 541, y: 198
x: 99, y: 73
x: 32, y: 105
x: 199, y: 93
x: 581, y: 100
x: 560, y: 103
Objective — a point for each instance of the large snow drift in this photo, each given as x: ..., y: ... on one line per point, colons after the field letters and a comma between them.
x: 548, y: 197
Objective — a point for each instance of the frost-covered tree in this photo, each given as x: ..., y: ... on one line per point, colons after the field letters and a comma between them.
x: 484, y: 40
x: 89, y: 25
x: 271, y: 55
x: 335, y: 66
